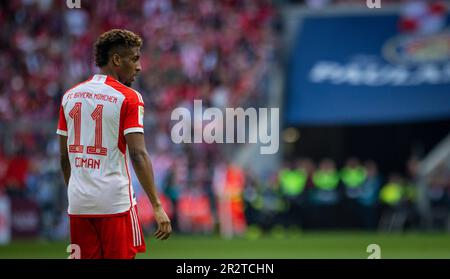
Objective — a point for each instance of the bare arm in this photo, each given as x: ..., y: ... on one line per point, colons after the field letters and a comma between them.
x: 144, y: 171
x: 64, y: 159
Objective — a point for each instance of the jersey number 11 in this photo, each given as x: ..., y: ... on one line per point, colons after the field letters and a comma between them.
x: 97, y: 116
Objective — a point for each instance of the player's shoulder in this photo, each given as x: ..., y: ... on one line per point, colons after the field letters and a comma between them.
x: 129, y: 93
x: 75, y: 87
x: 72, y: 89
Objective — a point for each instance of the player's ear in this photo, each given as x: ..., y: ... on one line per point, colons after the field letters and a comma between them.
x: 116, y: 59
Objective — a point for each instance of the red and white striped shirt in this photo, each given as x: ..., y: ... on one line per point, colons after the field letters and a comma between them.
x: 95, y: 116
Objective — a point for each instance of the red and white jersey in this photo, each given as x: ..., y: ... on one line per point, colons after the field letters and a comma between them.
x: 95, y: 116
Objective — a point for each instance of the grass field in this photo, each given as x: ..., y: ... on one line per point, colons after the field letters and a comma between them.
x: 310, y: 245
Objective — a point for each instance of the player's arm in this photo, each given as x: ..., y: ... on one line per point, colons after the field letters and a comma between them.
x: 64, y: 158
x: 144, y: 171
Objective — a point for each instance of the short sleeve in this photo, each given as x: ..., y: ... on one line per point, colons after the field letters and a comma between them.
x: 134, y: 116
x: 62, y: 124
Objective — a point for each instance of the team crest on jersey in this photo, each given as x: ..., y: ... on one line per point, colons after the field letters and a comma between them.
x: 141, y: 115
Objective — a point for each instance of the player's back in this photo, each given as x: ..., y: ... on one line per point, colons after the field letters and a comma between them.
x: 95, y: 116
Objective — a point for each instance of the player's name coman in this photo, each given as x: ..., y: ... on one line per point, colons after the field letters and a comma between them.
x: 87, y: 163
x: 89, y: 95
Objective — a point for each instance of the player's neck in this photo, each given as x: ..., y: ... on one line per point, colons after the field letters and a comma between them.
x: 109, y: 72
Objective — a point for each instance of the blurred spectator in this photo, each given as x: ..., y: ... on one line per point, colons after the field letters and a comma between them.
x: 194, y: 211
x: 412, y: 182
x: 16, y: 174
x: 268, y: 205
x: 293, y: 182
x: 352, y: 175
x: 251, y: 197
x: 368, y: 197
x: 423, y: 17
x: 317, y: 4
x: 393, y: 198
x: 325, y: 196
x: 438, y: 192
x: 4, y: 164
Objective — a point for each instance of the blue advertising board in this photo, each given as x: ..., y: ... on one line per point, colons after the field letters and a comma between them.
x: 362, y: 70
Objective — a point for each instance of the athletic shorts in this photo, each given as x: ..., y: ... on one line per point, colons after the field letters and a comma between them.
x: 111, y: 237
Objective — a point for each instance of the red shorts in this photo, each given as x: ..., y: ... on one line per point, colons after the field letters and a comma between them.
x: 112, y: 237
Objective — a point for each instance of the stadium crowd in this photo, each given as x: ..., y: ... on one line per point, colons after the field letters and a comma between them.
x: 215, y: 51
x: 308, y: 194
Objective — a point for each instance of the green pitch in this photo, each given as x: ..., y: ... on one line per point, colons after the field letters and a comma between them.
x: 308, y: 245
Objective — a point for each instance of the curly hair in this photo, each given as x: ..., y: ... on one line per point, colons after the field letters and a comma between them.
x: 112, y: 39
